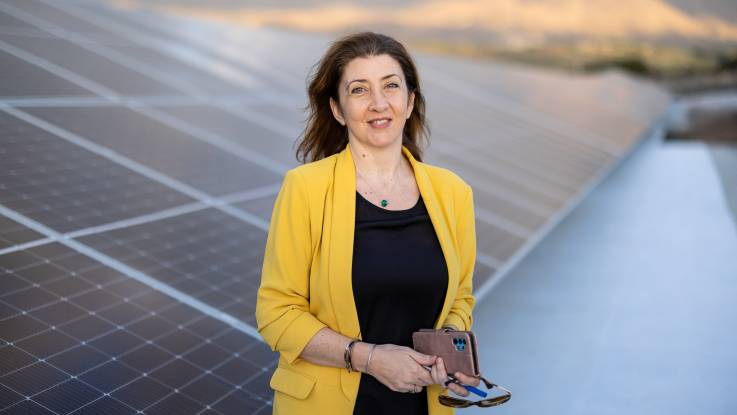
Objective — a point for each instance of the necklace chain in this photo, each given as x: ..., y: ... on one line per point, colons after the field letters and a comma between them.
x: 384, y: 202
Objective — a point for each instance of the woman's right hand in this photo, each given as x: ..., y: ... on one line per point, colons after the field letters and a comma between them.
x: 400, y: 368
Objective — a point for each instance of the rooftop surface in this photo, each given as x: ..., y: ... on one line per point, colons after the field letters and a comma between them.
x: 625, y: 306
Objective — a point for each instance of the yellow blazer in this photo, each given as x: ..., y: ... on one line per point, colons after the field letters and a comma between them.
x: 306, y: 281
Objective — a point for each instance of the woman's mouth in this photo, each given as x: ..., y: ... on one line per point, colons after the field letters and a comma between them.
x: 380, y: 123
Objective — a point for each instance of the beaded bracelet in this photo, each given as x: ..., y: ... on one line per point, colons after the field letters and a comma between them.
x: 347, y: 355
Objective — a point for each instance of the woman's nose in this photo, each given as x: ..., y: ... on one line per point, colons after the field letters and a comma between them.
x: 378, y: 101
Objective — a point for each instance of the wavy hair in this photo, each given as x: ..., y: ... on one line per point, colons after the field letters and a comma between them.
x: 323, y: 135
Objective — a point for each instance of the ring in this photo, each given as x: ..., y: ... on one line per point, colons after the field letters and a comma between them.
x: 414, y: 389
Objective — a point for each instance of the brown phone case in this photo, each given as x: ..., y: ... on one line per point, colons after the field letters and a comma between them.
x: 457, y: 348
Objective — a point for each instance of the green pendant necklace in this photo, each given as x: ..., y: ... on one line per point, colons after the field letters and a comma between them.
x: 384, y: 202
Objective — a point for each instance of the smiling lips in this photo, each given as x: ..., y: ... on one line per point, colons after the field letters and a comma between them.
x: 380, y: 122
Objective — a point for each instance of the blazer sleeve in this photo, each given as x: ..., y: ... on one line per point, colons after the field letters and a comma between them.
x: 460, y: 315
x: 282, y: 306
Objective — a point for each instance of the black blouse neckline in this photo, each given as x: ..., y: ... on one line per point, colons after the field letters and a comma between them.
x: 416, y: 205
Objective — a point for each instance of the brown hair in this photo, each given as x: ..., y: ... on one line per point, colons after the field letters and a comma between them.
x: 323, y: 135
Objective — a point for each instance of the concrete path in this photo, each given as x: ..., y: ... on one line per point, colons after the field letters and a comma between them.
x: 629, y: 306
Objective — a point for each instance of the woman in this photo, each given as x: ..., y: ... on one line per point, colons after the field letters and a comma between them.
x: 366, y: 242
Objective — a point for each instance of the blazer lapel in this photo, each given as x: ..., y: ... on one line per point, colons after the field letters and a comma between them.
x: 341, y: 244
x: 342, y: 226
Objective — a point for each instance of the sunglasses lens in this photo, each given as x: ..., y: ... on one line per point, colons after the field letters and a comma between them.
x: 450, y: 401
x: 493, y: 402
x: 484, y: 403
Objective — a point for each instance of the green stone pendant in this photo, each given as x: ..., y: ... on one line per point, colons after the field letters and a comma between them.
x: 384, y: 202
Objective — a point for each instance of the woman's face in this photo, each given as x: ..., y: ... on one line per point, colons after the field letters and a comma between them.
x: 374, y: 102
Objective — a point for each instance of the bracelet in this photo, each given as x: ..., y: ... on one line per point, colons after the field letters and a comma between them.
x: 347, y: 355
x: 368, y: 362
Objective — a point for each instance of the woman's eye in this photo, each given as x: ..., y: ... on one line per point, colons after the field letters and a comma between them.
x: 357, y: 90
x: 393, y: 85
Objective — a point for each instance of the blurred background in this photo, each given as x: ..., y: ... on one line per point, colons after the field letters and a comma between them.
x: 143, y: 144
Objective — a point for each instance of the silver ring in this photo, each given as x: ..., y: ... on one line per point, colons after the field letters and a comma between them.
x: 414, y: 389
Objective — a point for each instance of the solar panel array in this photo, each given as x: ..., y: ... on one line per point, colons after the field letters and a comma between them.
x: 141, y: 155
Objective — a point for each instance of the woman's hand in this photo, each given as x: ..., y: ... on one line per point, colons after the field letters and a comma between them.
x: 401, y: 368
x: 439, y: 376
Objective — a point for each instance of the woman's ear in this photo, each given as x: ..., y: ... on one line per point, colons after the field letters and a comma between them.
x: 410, y: 104
x: 337, y: 113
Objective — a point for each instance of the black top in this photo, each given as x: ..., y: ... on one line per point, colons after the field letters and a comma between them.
x: 399, y: 283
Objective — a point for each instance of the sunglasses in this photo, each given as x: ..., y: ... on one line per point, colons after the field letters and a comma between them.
x: 484, y: 403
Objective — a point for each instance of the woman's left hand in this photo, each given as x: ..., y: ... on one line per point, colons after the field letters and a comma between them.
x: 440, y: 376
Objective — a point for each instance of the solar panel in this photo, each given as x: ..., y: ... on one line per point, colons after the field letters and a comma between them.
x: 183, y: 73
x: 23, y: 79
x: 206, y: 254
x: 10, y: 24
x: 89, y: 65
x: 173, y: 152
x: 90, y: 337
x: 232, y: 127
x: 67, y: 187
x: 141, y: 156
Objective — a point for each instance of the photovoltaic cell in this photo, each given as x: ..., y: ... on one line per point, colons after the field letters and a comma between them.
x: 91, y: 340
x: 260, y: 207
x: 12, y: 233
x: 66, y: 187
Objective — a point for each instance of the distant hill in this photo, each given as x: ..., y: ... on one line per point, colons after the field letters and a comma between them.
x: 689, y: 44
x: 513, y: 21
